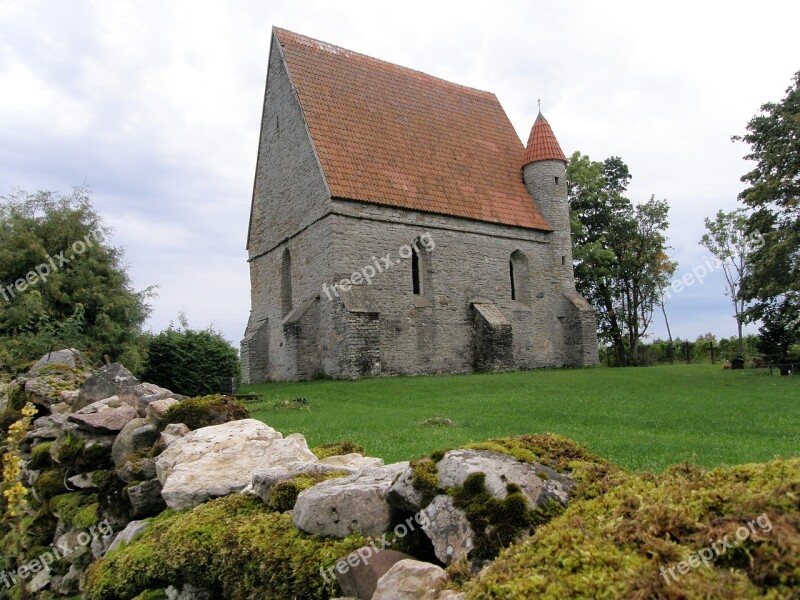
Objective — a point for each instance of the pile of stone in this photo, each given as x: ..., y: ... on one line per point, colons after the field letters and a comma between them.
x: 139, y: 466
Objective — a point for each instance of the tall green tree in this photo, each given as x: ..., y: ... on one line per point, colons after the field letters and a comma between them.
x: 62, y: 283
x: 727, y: 238
x: 773, y: 194
x: 780, y: 329
x: 621, y: 264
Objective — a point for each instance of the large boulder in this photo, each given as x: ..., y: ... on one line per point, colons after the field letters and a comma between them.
x: 219, y: 460
x: 110, y: 380
x: 447, y: 526
x: 538, y: 483
x: 69, y: 357
x: 339, y: 507
x: 51, y: 376
x: 411, y: 580
x: 264, y: 480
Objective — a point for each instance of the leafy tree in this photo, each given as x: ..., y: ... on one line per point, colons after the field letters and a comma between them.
x: 728, y: 240
x: 621, y: 265
x: 773, y: 193
x: 190, y: 362
x: 62, y: 283
x: 781, y: 328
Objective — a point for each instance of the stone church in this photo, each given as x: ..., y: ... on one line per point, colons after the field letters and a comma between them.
x: 399, y: 226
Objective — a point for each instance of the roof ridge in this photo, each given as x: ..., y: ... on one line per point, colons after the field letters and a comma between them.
x: 334, y: 49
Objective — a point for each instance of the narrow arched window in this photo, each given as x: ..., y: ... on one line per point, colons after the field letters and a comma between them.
x: 286, y: 282
x: 519, y: 275
x: 415, y: 281
x: 513, y: 283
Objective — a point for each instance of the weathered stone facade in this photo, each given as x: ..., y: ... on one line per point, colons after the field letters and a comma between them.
x: 478, y: 295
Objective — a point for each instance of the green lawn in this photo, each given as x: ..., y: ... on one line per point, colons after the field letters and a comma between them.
x: 644, y: 418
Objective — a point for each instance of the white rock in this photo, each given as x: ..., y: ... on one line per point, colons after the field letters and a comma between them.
x: 219, y: 460
x: 352, y: 462
x: 338, y: 507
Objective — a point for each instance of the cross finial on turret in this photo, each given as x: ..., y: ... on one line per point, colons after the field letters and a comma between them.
x: 539, y: 100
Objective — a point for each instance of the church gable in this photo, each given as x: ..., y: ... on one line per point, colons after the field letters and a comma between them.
x: 390, y: 135
x: 289, y: 192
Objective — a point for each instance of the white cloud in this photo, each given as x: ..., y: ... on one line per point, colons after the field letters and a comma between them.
x: 157, y: 105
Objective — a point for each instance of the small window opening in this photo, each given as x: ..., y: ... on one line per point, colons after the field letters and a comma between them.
x: 511, y: 274
x: 415, y: 283
x: 563, y: 260
x: 556, y: 178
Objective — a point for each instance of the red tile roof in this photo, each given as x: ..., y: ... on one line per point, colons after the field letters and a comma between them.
x: 390, y: 135
x: 542, y: 143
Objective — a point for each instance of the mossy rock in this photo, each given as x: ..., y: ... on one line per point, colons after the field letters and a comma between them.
x: 204, y: 411
x: 497, y: 523
x: 283, y: 495
x: 76, y: 454
x: 425, y: 479
x: 38, y: 529
x: 617, y: 544
x: 50, y: 483
x: 16, y: 397
x: 235, y: 547
x: 77, y: 509
x: 40, y: 456
x: 87, y: 516
x: 338, y: 449
x: 593, y: 474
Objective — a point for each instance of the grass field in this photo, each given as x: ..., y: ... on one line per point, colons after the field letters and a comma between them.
x: 642, y: 419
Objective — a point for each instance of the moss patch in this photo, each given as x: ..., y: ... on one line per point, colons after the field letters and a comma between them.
x: 338, y: 449
x: 50, y: 483
x: 40, y: 456
x: 283, y: 496
x: 593, y: 474
x: 425, y: 479
x: 234, y: 546
x: 615, y: 545
x: 497, y: 523
x: 204, y: 411
x: 77, y: 509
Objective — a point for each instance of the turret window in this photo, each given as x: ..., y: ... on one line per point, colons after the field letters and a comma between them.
x: 556, y: 179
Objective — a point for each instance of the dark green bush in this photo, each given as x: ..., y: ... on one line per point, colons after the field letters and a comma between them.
x: 190, y: 362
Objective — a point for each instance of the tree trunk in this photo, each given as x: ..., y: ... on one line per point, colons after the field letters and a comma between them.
x: 741, y: 343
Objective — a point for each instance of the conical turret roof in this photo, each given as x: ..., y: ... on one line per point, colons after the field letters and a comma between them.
x: 542, y: 143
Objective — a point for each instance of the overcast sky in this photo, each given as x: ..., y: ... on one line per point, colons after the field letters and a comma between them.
x: 156, y: 106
